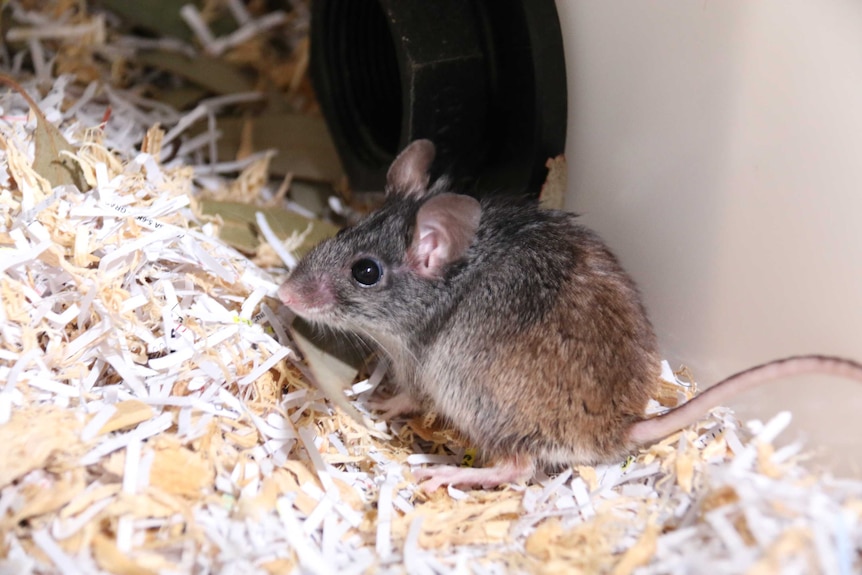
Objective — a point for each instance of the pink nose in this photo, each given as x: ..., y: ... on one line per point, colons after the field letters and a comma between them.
x: 304, y: 297
x: 286, y: 294
x: 290, y: 296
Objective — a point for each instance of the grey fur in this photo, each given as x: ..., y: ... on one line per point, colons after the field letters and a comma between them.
x: 532, y: 344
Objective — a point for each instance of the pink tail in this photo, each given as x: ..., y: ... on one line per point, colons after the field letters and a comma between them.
x: 651, y: 430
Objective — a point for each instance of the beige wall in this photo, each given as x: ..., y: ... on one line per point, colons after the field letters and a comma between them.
x: 717, y: 146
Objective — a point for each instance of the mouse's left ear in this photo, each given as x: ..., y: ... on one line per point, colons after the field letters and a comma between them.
x: 445, y: 227
x: 408, y: 175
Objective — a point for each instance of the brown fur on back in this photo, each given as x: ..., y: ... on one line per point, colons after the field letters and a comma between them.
x: 550, y: 352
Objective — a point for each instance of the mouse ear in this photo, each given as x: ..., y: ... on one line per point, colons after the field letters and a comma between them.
x: 408, y: 174
x: 445, y: 227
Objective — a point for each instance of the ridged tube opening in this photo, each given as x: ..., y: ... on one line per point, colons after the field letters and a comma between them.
x: 361, y: 68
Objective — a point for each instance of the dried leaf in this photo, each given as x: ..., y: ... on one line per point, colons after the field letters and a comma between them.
x: 50, y: 161
x: 331, y: 374
x: 159, y: 16
x: 53, y: 152
x: 240, y: 225
x: 215, y: 75
x: 304, y: 146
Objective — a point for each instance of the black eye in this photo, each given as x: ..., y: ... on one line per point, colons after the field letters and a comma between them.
x: 367, y: 271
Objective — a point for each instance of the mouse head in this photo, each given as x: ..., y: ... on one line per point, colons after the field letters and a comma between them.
x: 388, y: 273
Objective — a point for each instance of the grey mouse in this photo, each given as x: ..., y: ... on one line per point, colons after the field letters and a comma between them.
x: 515, y: 323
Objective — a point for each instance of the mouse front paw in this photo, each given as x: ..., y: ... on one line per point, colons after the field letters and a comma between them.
x: 399, y: 404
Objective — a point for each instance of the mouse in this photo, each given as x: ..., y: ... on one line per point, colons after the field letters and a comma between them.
x: 515, y: 323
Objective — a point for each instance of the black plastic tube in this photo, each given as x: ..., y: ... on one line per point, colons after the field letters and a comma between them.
x: 483, y: 79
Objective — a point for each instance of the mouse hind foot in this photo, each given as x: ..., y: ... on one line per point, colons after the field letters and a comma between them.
x: 511, y: 469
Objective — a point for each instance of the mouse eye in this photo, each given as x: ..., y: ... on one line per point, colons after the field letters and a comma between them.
x: 367, y: 271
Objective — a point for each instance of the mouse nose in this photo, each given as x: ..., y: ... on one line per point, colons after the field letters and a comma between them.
x: 289, y: 296
x: 285, y: 293
x: 304, y: 298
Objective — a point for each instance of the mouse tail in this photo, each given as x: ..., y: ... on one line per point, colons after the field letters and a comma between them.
x: 651, y: 430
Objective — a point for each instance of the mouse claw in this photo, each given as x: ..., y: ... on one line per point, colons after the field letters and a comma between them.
x: 395, y: 406
x: 510, y: 470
